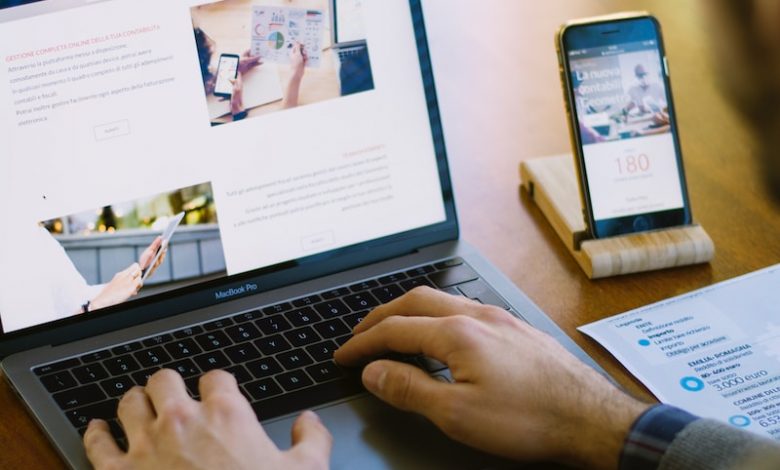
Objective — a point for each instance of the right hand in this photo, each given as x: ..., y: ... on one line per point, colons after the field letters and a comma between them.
x: 298, y: 59
x: 517, y: 393
x: 237, y: 99
x: 124, y: 285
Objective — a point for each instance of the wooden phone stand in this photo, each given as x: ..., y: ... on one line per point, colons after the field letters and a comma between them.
x: 552, y: 184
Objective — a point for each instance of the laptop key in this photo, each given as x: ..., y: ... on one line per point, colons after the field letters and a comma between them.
x: 82, y: 416
x: 410, y: 284
x: 218, y: 324
x: 450, y: 263
x: 117, y: 386
x: 453, y: 276
x: 95, y: 356
x: 322, y: 351
x: 186, y: 368
x: 274, y: 324
x: 303, y: 317
x: 325, y: 371
x: 213, y: 340
x: 278, y: 308
x: 306, y: 301
x: 242, y: 353
x: 157, y: 340
x: 335, y: 293
x: 302, y: 336
x: 295, y: 380
x: 127, y: 348
x: 192, y: 386
x: 331, y: 309
x: 141, y: 377
x: 272, y: 344
x: 353, y: 320
x: 188, y: 332
x: 332, y: 328
x: 264, y: 367
x: 81, y: 396
x: 306, y: 398
x: 58, y: 381
x: 121, y: 365
x: 212, y: 360
x: 244, y: 332
x: 361, y: 301
x: 152, y: 357
x: 90, y: 373
x: 294, y: 359
x: 387, y: 293
x: 182, y: 349
x: 479, y: 290
x: 420, y: 271
x: 392, y: 278
x: 341, y: 341
x: 57, y: 366
x: 247, y: 316
x: 240, y: 373
x: 263, y: 389
x: 365, y: 285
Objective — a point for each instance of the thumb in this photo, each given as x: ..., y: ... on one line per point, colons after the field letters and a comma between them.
x: 404, y: 386
x: 311, y: 440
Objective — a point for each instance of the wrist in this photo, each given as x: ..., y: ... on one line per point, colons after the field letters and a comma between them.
x: 598, y: 428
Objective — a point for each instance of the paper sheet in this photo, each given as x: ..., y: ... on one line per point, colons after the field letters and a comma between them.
x: 275, y: 29
x: 714, y: 352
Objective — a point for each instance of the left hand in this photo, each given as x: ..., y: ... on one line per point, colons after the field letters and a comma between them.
x: 237, y: 99
x: 167, y: 429
x: 248, y: 61
x: 148, y: 255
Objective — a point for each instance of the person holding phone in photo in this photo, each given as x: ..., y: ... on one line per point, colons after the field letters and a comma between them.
x: 72, y: 295
x: 206, y: 50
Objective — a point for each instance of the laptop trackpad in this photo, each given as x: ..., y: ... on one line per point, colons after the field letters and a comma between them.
x: 370, y: 434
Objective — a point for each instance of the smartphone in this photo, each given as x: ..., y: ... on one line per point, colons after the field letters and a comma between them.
x: 623, y: 129
x: 226, y: 72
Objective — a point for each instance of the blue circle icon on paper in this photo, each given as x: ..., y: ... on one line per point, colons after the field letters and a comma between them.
x: 692, y: 384
x: 739, y: 421
x: 644, y: 342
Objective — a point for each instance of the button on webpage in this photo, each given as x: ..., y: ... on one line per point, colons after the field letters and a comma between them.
x: 112, y: 130
x: 317, y: 242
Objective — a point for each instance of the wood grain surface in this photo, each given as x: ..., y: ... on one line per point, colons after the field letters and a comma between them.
x: 501, y: 102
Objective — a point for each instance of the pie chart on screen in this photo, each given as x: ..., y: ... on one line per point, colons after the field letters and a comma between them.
x: 276, y: 40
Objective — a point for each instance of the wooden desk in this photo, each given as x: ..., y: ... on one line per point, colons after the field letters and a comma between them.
x: 501, y: 103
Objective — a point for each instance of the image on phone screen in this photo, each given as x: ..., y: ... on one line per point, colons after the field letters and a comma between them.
x: 226, y: 72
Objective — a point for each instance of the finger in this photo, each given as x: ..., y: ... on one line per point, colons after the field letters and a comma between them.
x: 100, y: 445
x: 218, y: 382
x: 405, y: 387
x: 420, y: 302
x: 407, y: 335
x: 165, y: 388
x: 132, y: 269
x: 135, y: 412
x: 311, y: 440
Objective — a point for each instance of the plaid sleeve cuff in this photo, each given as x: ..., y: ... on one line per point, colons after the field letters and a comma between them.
x: 650, y: 436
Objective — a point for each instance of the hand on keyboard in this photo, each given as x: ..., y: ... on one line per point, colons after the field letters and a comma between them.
x: 167, y: 429
x: 517, y: 393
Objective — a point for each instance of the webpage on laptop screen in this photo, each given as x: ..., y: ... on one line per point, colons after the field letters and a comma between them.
x: 114, y: 146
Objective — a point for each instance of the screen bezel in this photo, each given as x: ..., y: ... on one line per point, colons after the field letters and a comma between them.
x: 602, y: 33
x: 202, y: 295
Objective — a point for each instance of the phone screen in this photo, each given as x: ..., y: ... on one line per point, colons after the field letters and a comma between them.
x: 629, y: 149
x: 227, y: 71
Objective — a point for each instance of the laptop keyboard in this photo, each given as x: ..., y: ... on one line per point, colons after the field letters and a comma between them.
x: 281, y: 355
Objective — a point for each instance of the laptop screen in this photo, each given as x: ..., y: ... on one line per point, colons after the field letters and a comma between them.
x: 150, y: 146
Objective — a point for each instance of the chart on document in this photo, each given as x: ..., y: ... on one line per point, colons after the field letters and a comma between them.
x: 276, y: 29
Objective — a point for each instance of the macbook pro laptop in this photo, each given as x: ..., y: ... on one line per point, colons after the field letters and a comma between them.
x: 297, y: 222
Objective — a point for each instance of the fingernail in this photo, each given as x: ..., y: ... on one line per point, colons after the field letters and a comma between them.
x: 308, y: 414
x: 374, y: 377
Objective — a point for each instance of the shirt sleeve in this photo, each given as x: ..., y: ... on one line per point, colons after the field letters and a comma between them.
x: 651, y: 435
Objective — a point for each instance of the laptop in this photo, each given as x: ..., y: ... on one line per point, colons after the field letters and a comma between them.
x: 348, y: 39
x: 296, y: 223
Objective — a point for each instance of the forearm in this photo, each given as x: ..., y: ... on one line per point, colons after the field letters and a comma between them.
x: 293, y: 91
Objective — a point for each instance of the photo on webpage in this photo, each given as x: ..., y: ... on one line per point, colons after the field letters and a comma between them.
x: 262, y: 57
